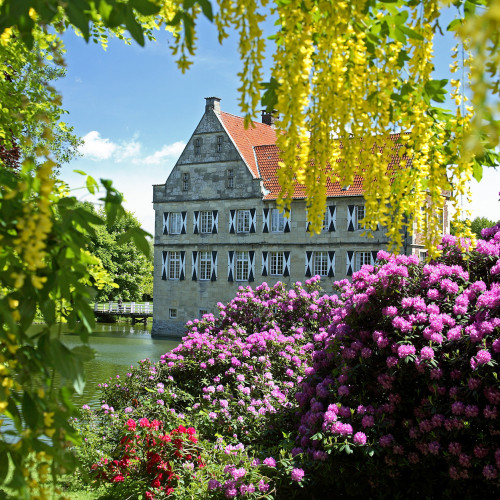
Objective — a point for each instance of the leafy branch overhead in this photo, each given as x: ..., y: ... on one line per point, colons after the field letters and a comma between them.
x: 352, y: 83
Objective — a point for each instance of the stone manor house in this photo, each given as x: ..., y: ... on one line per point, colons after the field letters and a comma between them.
x: 217, y: 226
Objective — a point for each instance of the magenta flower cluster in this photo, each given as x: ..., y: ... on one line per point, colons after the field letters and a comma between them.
x: 409, y: 370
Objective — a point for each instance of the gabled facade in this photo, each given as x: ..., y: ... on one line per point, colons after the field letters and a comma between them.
x: 217, y: 226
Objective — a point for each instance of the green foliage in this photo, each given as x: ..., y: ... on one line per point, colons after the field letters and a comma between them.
x: 125, y: 254
x: 480, y: 223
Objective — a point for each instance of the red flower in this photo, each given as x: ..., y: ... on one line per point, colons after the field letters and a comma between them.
x: 118, y: 478
x: 190, y: 431
x: 144, y: 422
x: 131, y: 424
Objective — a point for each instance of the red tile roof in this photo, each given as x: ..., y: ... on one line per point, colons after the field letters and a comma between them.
x: 246, y: 139
x: 257, y: 146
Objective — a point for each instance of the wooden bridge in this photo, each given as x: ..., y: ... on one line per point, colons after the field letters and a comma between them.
x: 138, y: 312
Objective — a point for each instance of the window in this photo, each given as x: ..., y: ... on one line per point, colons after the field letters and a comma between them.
x: 203, y: 312
x: 277, y: 221
x: 243, y: 221
x: 185, y: 182
x: 362, y: 258
x: 325, y: 224
x: 206, y: 221
x: 276, y: 264
x: 174, y: 265
x: 197, y: 146
x: 219, y: 143
x: 320, y: 263
x: 230, y: 178
x: 360, y: 215
x: 172, y: 313
x: 423, y: 257
x: 242, y: 266
x: 175, y: 223
x: 205, y: 260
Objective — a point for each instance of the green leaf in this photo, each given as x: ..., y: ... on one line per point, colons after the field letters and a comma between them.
x: 411, y: 33
x: 270, y: 96
x: 477, y: 171
x: 76, y: 10
x: 84, y: 352
x: 92, y: 185
x: 30, y: 411
x: 138, y: 235
x: 4, y: 465
x: 134, y: 27
x: 145, y: 7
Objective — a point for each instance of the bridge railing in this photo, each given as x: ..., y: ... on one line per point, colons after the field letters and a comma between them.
x: 124, y: 307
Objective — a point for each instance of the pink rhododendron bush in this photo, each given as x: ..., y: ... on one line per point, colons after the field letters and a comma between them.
x: 387, y: 387
x: 403, y: 393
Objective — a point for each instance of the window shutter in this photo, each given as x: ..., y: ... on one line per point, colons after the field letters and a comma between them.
x: 196, y: 222
x: 286, y: 264
x: 215, y: 221
x: 332, y: 218
x: 264, y: 263
x: 309, y: 257
x: 213, y: 277
x: 183, y: 265
x: 331, y: 264
x: 287, y: 215
x: 166, y: 218
x: 251, y: 258
x: 350, y: 218
x: 164, y: 264
x: 184, y: 217
x: 265, y: 222
x: 308, y: 226
x: 230, y: 265
x: 373, y: 257
x: 253, y: 220
x: 232, y: 215
x: 349, y: 263
x: 194, y: 275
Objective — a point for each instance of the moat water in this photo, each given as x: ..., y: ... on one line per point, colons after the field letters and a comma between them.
x: 118, y: 346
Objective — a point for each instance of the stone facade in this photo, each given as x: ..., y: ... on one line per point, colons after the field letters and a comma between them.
x: 216, y: 228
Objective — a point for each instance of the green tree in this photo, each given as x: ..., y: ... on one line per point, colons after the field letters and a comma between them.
x: 480, y: 223
x: 130, y: 269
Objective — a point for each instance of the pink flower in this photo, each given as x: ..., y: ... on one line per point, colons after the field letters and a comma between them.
x: 144, y: 422
x: 359, y: 438
x: 131, y: 424
x: 297, y: 475
x: 427, y: 352
x: 483, y: 357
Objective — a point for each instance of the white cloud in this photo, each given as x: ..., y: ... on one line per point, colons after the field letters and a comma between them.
x: 127, y: 150
x: 96, y: 148
x: 167, y: 151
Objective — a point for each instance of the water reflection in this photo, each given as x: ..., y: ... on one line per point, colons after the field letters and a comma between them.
x: 118, y: 346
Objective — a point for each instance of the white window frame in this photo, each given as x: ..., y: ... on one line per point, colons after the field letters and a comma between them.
x: 243, y: 221
x: 172, y: 313
x: 359, y: 214
x: 276, y: 263
x: 277, y: 221
x: 204, y: 266
x: 197, y: 146
x: 174, y: 265
x: 230, y: 178
x: 206, y: 221
x: 326, y: 220
x: 362, y: 258
x: 185, y: 181
x: 242, y: 266
x: 320, y: 263
x: 175, y: 223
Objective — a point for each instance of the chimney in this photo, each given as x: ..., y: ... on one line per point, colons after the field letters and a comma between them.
x: 269, y: 118
x: 212, y: 103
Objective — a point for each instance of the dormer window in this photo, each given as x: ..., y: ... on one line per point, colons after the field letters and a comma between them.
x: 230, y: 178
x: 219, y: 143
x: 197, y: 146
x: 185, y: 182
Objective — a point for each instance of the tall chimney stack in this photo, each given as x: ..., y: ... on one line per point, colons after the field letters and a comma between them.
x: 269, y: 118
x: 212, y: 103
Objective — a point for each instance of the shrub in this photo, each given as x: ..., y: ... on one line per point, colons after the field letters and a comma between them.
x: 404, y: 390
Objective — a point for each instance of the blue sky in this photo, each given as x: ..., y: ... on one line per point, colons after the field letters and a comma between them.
x: 136, y: 111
